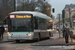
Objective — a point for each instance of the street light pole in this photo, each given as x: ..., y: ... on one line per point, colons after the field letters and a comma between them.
x: 69, y: 18
x: 59, y: 25
x: 14, y: 5
x: 23, y: 5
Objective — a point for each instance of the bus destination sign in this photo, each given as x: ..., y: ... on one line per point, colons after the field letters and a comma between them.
x: 20, y: 16
x: 25, y: 16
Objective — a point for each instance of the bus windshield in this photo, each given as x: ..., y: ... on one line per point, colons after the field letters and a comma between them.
x: 20, y: 24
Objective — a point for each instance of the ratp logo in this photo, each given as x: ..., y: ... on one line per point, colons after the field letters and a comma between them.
x: 12, y: 16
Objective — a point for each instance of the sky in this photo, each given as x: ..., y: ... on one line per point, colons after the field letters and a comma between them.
x: 59, y: 5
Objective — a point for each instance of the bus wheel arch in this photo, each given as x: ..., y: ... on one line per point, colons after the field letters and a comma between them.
x: 17, y: 41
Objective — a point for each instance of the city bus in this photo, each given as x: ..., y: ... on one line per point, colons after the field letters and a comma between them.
x: 28, y: 25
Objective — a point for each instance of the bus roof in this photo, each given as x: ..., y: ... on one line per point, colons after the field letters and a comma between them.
x: 34, y: 13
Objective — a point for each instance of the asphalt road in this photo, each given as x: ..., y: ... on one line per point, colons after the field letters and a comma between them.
x: 27, y: 46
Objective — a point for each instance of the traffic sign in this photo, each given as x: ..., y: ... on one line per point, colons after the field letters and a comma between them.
x: 65, y: 21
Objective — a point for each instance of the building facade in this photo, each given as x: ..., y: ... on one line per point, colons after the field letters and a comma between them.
x: 69, y: 15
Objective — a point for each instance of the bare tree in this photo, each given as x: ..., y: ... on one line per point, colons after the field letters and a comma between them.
x: 6, y: 6
x: 31, y: 5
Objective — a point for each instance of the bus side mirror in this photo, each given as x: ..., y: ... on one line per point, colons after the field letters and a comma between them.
x: 4, y: 21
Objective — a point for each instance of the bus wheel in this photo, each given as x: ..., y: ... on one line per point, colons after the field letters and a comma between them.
x: 49, y: 36
x: 38, y: 38
x: 17, y: 41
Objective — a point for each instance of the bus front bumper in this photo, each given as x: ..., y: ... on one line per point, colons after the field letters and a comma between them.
x: 20, y: 38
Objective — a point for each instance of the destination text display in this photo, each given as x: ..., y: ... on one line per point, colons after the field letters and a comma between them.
x: 20, y: 16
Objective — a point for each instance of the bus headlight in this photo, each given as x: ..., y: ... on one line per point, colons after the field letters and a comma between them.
x: 49, y: 30
x: 29, y: 34
x: 9, y: 34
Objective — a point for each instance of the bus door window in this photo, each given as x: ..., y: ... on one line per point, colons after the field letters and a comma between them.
x: 35, y: 23
x: 74, y: 24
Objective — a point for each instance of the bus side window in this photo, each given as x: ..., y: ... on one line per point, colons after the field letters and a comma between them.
x: 35, y: 23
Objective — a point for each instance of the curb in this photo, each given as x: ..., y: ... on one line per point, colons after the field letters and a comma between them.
x: 5, y: 41
x: 50, y: 44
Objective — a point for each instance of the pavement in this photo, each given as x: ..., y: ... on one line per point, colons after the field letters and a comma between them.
x: 57, y: 40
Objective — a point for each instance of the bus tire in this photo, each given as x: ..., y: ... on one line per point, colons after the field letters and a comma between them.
x: 49, y: 35
x: 17, y: 41
x: 39, y: 38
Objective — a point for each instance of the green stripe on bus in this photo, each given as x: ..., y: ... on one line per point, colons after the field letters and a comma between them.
x: 21, y: 32
x: 42, y: 17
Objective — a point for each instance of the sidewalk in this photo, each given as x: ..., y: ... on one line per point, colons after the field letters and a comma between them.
x: 56, y: 41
